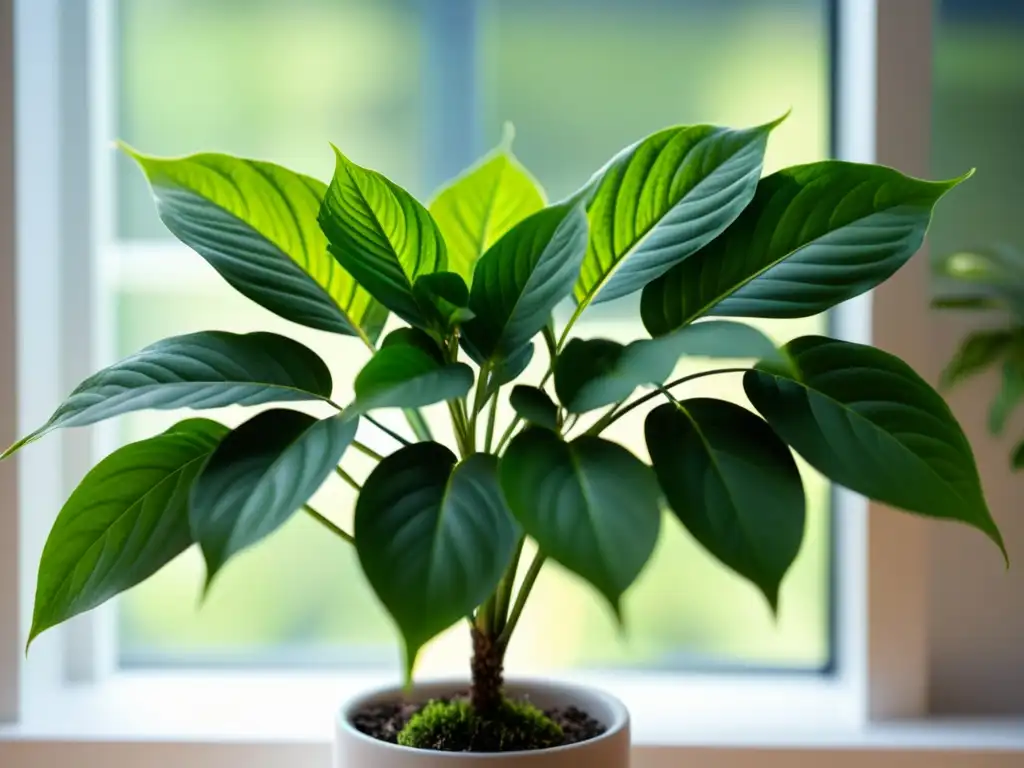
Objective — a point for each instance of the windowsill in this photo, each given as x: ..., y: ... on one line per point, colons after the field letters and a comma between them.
x: 271, y: 708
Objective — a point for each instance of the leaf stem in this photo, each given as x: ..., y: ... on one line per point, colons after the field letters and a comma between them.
x: 328, y: 524
x: 348, y: 479
x: 367, y: 451
x: 505, y: 587
x: 479, y: 400
x: 491, y: 417
x: 389, y: 432
x: 618, y: 411
x: 524, y: 593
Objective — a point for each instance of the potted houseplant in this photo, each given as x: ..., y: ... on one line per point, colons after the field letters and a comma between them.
x: 684, y: 218
x: 992, y: 281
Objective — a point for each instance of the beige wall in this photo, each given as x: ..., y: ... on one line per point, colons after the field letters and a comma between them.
x: 976, y: 607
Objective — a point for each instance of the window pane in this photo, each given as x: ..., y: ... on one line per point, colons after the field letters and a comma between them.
x: 576, y: 93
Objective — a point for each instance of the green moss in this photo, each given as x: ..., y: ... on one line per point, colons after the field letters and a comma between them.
x: 453, y: 726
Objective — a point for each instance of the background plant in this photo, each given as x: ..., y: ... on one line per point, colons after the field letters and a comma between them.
x: 683, y: 217
x: 990, y: 281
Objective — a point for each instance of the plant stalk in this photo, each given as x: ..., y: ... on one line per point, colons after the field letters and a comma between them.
x: 505, y: 587
x: 524, y: 592
x: 344, y: 535
x: 492, y: 415
x: 348, y: 479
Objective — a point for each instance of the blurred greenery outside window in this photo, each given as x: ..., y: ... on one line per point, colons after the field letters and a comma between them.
x: 417, y: 88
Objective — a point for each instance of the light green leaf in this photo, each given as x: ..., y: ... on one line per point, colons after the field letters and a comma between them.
x: 864, y: 419
x: 1011, y: 392
x: 977, y: 352
x: 444, y: 300
x: 256, y: 224
x: 434, y: 537
x: 259, y: 475
x: 521, y: 279
x: 409, y: 372
x: 589, y: 504
x: 733, y: 484
x: 813, y: 236
x: 532, y: 404
x: 381, y: 235
x: 474, y: 210
x: 592, y: 373
x: 124, y: 522
x: 662, y: 199
x: 209, y: 369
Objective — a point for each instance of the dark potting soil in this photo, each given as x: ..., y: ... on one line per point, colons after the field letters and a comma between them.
x: 386, y: 721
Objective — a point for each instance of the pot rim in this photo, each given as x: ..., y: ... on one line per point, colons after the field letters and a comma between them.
x: 620, y: 718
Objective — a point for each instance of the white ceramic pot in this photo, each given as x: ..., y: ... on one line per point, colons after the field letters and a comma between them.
x: 353, y: 749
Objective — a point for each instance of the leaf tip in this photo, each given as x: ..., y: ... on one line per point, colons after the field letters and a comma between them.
x: 128, y: 149
x: 778, y: 121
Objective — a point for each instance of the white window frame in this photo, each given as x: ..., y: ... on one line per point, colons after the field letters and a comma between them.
x: 66, y: 705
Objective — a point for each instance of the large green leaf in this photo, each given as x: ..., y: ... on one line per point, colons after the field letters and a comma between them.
x: 486, y: 201
x: 864, y: 419
x: 209, y: 369
x: 977, y: 352
x: 1011, y: 392
x: 256, y: 224
x: 409, y: 372
x: 535, y: 406
x: 259, y: 475
x: 813, y: 236
x: 589, y: 504
x: 591, y: 373
x: 443, y: 298
x: 984, y: 279
x: 662, y: 199
x: 508, y: 369
x: 125, y: 520
x: 433, y: 537
x: 521, y: 279
x: 733, y: 484
x: 381, y: 235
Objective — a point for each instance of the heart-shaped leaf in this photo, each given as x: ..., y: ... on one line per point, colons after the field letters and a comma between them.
x: 256, y: 224
x: 521, y: 279
x: 434, y: 538
x: 209, y: 369
x: 381, y: 235
x: 662, y: 199
x: 444, y: 300
x: 259, y: 475
x: 124, y: 522
x: 532, y: 404
x: 733, y: 484
x: 813, y: 236
x: 486, y: 201
x: 590, y: 504
x: 977, y: 352
x: 864, y: 419
x: 592, y: 373
x: 409, y: 372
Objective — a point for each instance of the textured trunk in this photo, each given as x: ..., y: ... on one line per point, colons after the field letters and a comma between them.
x: 488, y: 667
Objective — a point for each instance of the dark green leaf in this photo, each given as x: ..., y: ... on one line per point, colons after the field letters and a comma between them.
x: 1017, y: 460
x: 486, y: 201
x: 409, y: 372
x: 533, y: 405
x: 590, y: 504
x: 733, y: 484
x: 520, y: 280
x: 260, y: 474
x: 256, y: 224
x: 977, y: 352
x: 433, y: 537
x: 1010, y: 394
x: 813, y: 236
x: 209, y: 369
x: 444, y: 300
x: 663, y: 199
x: 596, y: 372
x: 124, y: 522
x: 381, y: 235
x: 864, y: 419
x: 507, y: 369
